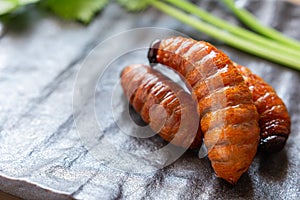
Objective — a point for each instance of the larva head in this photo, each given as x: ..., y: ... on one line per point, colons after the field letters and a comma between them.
x: 152, y: 52
x: 271, y: 144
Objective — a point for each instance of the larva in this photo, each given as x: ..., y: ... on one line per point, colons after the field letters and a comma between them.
x: 274, y: 118
x: 163, y: 104
x: 230, y: 126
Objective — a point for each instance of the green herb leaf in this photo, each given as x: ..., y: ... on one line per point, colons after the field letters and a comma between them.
x: 82, y: 10
x: 7, y: 6
x: 134, y: 5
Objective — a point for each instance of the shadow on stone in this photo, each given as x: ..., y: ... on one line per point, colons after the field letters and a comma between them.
x: 243, y: 188
x: 273, y: 166
x: 24, y: 21
x: 136, y: 117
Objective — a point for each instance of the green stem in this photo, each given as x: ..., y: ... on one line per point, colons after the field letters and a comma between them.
x: 193, y: 9
x: 228, y: 38
x: 248, y: 19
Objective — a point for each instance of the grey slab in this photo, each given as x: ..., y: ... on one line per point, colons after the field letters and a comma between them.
x: 42, y: 156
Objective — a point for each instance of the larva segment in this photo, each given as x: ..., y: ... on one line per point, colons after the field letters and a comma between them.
x: 274, y: 118
x: 228, y: 116
x: 163, y: 104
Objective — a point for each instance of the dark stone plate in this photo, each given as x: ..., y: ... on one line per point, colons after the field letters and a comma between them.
x: 42, y: 156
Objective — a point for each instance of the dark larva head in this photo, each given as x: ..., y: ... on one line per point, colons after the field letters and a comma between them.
x: 152, y: 52
x: 272, y: 144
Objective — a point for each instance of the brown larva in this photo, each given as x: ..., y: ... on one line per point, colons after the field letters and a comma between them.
x: 231, y: 130
x: 274, y: 118
x: 163, y: 104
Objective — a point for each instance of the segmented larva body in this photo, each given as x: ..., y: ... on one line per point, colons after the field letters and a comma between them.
x: 274, y: 118
x: 228, y: 116
x: 163, y: 104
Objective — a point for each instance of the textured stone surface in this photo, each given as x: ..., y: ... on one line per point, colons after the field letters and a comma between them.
x: 43, y: 157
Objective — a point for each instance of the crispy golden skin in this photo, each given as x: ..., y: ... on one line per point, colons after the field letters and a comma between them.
x: 274, y: 118
x: 228, y: 116
x: 163, y: 104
